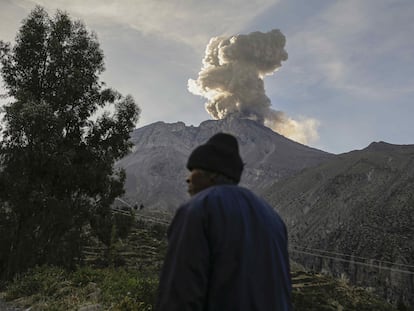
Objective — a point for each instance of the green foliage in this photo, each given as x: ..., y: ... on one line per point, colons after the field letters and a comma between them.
x: 51, y: 288
x: 6, y: 226
x: 117, y: 286
x: 130, y: 304
x: 123, y: 224
x: 85, y: 275
x: 112, y: 226
x: 57, y: 158
x: 143, y: 248
x: 41, y: 281
x: 135, y: 288
x: 319, y: 292
x: 123, y: 289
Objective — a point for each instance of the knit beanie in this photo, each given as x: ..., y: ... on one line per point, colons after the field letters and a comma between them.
x: 219, y: 154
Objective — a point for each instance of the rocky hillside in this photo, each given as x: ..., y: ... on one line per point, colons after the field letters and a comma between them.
x: 133, y: 286
x: 354, y: 216
x: 156, y: 171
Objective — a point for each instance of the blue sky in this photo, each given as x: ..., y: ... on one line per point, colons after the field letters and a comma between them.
x: 350, y: 63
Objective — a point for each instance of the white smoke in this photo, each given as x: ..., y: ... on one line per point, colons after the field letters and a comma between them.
x: 232, y: 80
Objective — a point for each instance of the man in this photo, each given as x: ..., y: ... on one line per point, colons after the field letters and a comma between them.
x: 227, y: 248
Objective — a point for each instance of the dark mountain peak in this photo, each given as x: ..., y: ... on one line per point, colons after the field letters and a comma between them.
x: 382, y: 146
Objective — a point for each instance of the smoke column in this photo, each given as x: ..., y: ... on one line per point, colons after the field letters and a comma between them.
x: 231, y: 79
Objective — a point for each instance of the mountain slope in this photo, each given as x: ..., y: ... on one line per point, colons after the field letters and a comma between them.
x: 156, y: 170
x: 355, y: 215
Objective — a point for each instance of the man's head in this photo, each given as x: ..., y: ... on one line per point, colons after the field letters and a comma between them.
x: 215, y: 162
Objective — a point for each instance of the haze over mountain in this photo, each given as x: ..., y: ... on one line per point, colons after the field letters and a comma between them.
x: 156, y: 171
x: 354, y: 215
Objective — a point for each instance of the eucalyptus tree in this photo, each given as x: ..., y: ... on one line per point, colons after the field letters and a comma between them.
x: 62, y: 132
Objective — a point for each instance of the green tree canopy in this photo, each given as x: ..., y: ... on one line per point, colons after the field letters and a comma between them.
x: 57, y: 157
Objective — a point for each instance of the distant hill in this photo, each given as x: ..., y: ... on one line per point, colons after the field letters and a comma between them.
x: 156, y: 170
x: 354, y: 216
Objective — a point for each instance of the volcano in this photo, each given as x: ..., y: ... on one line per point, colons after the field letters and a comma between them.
x: 156, y: 168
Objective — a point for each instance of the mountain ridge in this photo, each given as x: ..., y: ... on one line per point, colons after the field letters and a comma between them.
x: 354, y: 215
x: 158, y: 159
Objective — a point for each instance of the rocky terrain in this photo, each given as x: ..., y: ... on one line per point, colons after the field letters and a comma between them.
x: 156, y: 170
x: 353, y: 216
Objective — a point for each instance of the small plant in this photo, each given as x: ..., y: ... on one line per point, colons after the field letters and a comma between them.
x: 131, y: 304
x: 85, y: 275
x: 44, y: 281
x: 121, y: 283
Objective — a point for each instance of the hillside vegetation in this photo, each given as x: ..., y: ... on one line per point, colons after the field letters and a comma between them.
x: 131, y: 279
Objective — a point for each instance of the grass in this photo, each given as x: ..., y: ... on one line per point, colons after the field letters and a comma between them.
x: 133, y: 286
x: 314, y: 292
x: 52, y: 288
x: 122, y: 289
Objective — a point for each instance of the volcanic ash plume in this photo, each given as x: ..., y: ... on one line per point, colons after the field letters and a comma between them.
x: 232, y: 80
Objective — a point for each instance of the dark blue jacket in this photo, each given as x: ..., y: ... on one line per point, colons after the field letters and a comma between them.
x: 227, y: 252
